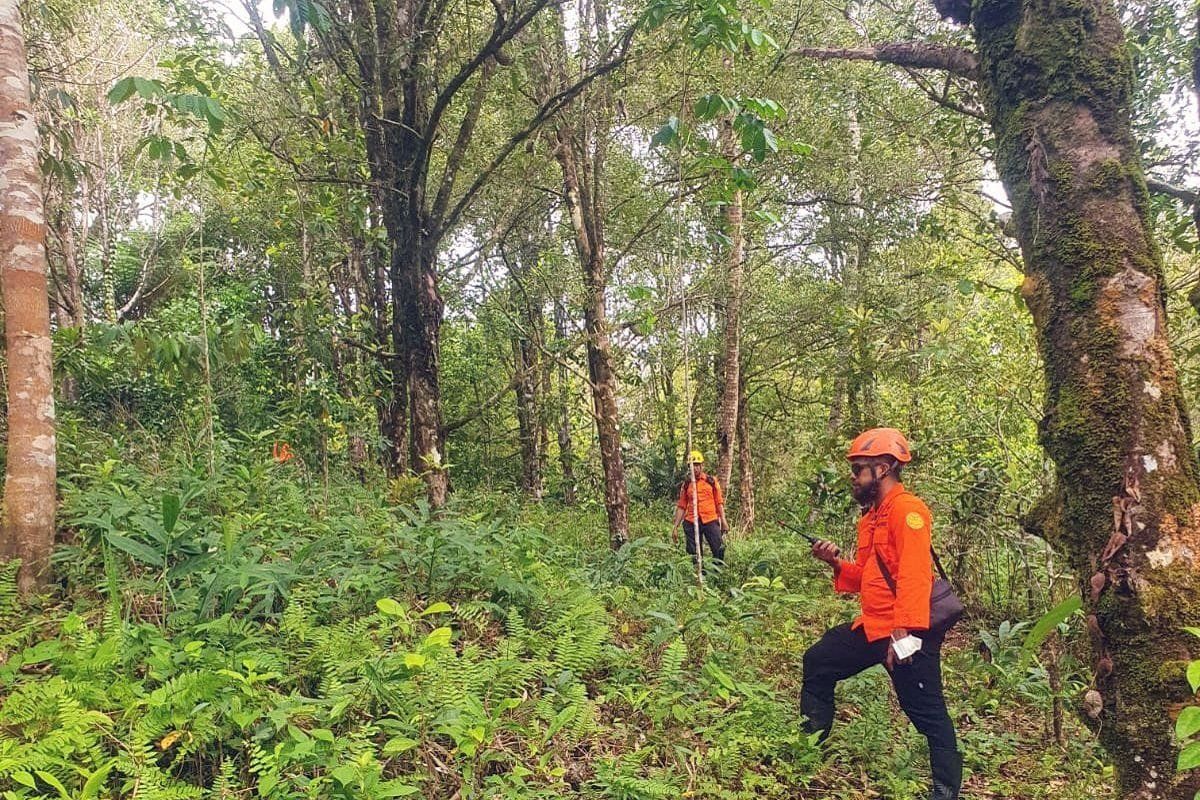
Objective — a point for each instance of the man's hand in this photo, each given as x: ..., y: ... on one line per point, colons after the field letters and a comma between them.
x: 826, y: 551
x: 891, y: 660
x: 674, y: 535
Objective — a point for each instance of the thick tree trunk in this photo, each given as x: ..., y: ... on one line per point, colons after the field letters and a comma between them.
x: 388, y: 372
x: 745, y: 458
x: 589, y: 244
x: 396, y: 104
x: 1057, y: 80
x: 29, y: 484
x: 727, y: 416
x: 422, y: 304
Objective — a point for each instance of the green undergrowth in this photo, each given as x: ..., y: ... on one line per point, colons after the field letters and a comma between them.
x: 249, y: 634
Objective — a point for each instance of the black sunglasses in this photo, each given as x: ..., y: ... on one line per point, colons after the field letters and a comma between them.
x: 857, y: 468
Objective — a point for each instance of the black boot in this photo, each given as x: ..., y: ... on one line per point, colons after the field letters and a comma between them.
x: 946, y: 766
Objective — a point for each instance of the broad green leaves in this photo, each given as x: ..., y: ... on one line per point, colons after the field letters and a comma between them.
x: 1048, y: 622
x: 1187, y: 725
x: 712, y: 24
x: 187, y: 94
x: 147, y: 89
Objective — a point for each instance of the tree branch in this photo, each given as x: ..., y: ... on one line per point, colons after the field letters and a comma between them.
x: 547, y: 110
x: 465, y: 131
x: 916, y: 55
x: 942, y: 98
x: 1188, y: 196
x: 503, y: 30
x: 453, y: 425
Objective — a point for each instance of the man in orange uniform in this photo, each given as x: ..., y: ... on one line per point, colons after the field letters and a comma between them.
x: 710, y: 504
x: 893, y: 531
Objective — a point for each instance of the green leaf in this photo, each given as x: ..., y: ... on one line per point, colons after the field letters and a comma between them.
x: 437, y: 608
x: 25, y: 779
x: 667, y: 135
x: 170, y: 511
x: 1193, y: 675
x: 414, y: 660
x: 95, y: 781
x: 439, y: 637
x: 1048, y: 622
x: 721, y: 676
x: 395, y: 788
x: 398, y: 744
x: 390, y: 608
x: 966, y: 287
x: 1189, y: 757
x: 560, y: 719
x: 711, y: 106
x: 121, y: 91
x: 1193, y: 631
x: 1188, y: 723
x: 322, y: 734
x: 345, y: 774
x: 148, y: 89
x: 140, y: 551
x: 771, y: 141
x: 214, y: 112
x: 55, y: 782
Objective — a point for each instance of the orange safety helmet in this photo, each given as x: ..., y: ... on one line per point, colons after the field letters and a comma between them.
x: 880, y: 442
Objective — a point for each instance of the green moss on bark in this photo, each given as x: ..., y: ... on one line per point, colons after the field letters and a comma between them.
x: 1057, y: 83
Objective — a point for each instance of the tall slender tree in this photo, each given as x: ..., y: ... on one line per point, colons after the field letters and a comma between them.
x: 29, y: 481
x: 581, y: 137
x: 731, y: 304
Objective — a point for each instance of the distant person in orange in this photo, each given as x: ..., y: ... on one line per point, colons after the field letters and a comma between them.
x: 282, y: 452
x: 710, y: 504
x: 892, y: 572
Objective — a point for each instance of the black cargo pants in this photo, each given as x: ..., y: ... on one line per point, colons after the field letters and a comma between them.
x: 709, y: 532
x: 843, y: 652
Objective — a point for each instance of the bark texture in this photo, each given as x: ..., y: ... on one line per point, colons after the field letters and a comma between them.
x: 731, y: 361
x: 29, y: 482
x: 1057, y: 79
x: 566, y: 451
x: 745, y: 458
x: 528, y: 370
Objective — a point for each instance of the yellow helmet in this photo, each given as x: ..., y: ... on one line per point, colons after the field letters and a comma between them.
x: 695, y: 457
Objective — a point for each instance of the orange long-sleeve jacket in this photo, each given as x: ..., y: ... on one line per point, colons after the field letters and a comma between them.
x: 708, y: 498
x: 898, y: 528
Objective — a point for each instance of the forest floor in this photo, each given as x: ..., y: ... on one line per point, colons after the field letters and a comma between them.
x: 247, y: 634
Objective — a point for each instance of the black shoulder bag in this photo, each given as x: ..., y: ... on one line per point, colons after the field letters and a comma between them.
x: 945, y: 609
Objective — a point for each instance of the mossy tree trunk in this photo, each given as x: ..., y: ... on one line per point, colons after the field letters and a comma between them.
x: 1057, y: 79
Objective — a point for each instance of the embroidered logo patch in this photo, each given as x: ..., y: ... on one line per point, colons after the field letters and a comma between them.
x: 914, y: 521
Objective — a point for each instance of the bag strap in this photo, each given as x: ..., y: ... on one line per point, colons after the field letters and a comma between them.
x: 887, y: 575
x: 687, y: 484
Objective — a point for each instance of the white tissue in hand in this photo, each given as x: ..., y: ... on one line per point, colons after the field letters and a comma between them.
x: 904, y: 648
